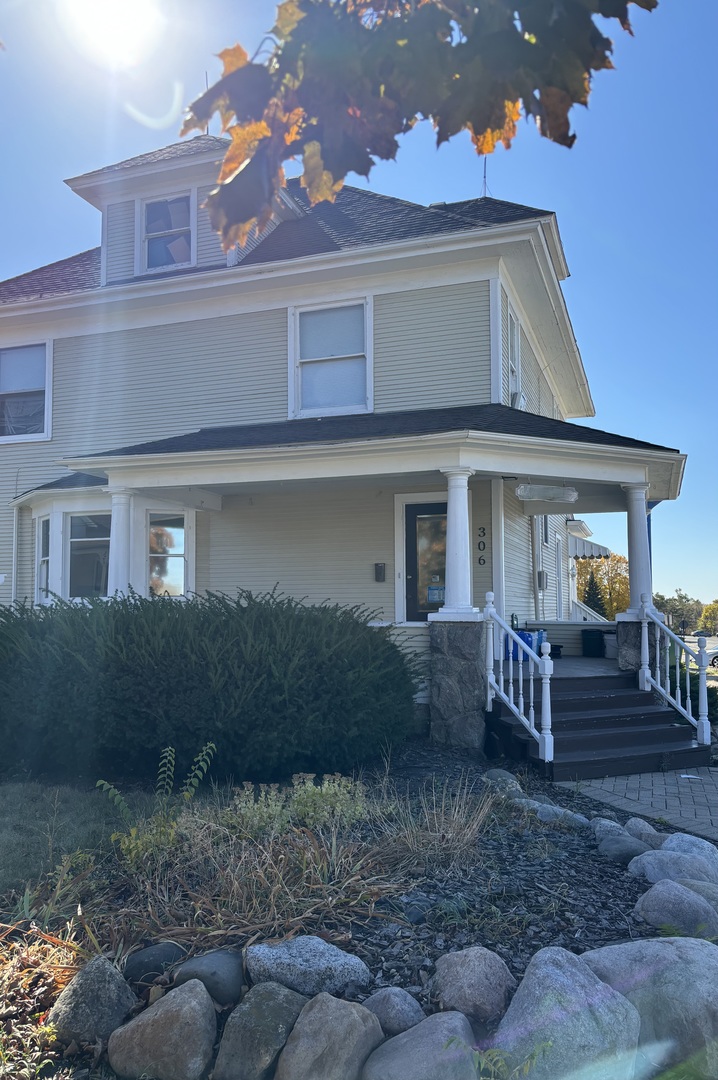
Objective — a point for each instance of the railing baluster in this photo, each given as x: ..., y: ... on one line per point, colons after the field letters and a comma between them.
x: 521, y: 680
x: 531, y: 716
x: 661, y: 679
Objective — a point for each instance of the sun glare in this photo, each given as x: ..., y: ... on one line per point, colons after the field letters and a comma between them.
x: 116, y: 34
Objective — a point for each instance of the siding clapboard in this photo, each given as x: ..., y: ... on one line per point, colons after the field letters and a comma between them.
x: 209, y: 248
x: 120, y: 240
x: 432, y: 347
x: 517, y: 559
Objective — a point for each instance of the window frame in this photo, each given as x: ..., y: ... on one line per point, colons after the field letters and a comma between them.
x: 67, y: 548
x: 42, y: 595
x: 46, y: 434
x: 295, y: 363
x: 188, y: 556
x: 141, y: 236
x: 514, y: 354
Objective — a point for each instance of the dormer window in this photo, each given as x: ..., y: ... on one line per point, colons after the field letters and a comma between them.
x: 167, y: 235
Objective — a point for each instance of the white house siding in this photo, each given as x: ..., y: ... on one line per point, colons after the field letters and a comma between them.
x: 209, y: 248
x: 120, y: 240
x: 26, y: 554
x: 517, y: 558
x: 432, y: 347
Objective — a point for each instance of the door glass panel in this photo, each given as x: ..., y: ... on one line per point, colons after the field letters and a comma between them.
x: 425, y: 559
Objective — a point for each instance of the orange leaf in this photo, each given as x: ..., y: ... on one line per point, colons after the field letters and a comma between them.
x: 487, y: 141
x: 233, y: 59
x: 320, y: 183
x: 245, y: 138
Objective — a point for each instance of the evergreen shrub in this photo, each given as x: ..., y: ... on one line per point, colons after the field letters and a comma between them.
x: 280, y: 686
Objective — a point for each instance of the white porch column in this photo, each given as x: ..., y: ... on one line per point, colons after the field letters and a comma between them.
x: 639, y: 555
x: 120, y: 540
x: 457, y: 603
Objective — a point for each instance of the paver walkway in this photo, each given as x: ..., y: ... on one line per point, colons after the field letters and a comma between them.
x: 686, y: 800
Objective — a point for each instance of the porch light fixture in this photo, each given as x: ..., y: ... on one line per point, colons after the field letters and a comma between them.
x: 546, y: 493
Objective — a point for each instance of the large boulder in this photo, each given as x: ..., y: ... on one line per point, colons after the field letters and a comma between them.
x: 221, y: 971
x: 692, y: 845
x: 95, y: 1003
x: 644, y: 831
x: 568, y: 1019
x: 706, y: 889
x: 475, y: 982
x: 675, y: 909
x: 673, y: 983
x: 256, y: 1032
x: 331, y: 1040
x: 656, y: 865
x: 621, y: 847
x: 308, y: 965
x: 171, y: 1040
x: 439, y: 1048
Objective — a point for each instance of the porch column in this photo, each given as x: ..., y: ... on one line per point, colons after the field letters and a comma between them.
x: 457, y: 603
x: 639, y: 555
x: 120, y: 537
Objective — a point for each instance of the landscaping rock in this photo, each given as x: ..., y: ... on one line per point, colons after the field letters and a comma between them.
x: 706, y: 889
x: 656, y: 865
x: 423, y: 1053
x: 308, y: 965
x: 331, y: 1040
x: 671, y: 907
x: 148, y: 964
x: 395, y: 1009
x: 692, y: 845
x: 172, y: 1040
x: 221, y: 971
x: 475, y: 982
x: 565, y: 817
x: 621, y: 847
x: 563, y: 1013
x: 602, y: 827
x: 93, y: 1004
x: 644, y: 831
x: 673, y: 982
x: 256, y: 1032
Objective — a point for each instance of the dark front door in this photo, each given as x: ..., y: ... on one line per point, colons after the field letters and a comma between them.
x: 425, y: 559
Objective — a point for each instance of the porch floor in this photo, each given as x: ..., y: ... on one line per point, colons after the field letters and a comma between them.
x: 574, y: 667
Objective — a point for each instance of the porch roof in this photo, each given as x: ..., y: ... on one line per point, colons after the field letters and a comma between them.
x: 493, y: 419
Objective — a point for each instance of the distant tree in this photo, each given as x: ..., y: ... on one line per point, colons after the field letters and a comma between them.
x: 709, y: 618
x: 338, y: 80
x: 611, y: 576
x: 681, y: 607
x: 592, y: 595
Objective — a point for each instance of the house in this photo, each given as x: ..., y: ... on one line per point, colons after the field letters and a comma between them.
x: 371, y: 402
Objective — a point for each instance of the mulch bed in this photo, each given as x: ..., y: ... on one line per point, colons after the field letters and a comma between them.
x: 534, y: 885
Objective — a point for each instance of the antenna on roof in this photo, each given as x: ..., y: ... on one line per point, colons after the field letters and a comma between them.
x: 484, y: 187
x: 206, y: 86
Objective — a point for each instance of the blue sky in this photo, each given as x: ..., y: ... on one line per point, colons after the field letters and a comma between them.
x: 635, y: 200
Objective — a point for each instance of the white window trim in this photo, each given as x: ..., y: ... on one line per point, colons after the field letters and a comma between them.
x: 141, y: 267
x: 46, y: 434
x: 515, y: 390
x: 39, y: 598
x: 401, y: 502
x: 67, y: 548
x: 190, y: 562
x: 295, y: 410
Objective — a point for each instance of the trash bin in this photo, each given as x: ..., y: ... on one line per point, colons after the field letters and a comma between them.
x: 610, y: 646
x: 592, y: 642
x: 526, y: 637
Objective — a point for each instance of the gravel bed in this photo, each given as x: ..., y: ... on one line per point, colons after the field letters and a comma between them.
x: 531, y: 885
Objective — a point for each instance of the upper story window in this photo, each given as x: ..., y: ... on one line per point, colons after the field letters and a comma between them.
x: 517, y: 399
x: 23, y: 378
x: 332, y: 369
x: 167, y: 234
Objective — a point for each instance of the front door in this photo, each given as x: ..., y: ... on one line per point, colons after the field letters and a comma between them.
x: 425, y: 559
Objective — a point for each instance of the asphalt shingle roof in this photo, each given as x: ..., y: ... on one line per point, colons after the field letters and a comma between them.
x: 358, y: 218
x: 495, y: 419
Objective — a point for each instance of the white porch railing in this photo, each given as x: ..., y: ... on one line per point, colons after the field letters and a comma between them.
x: 671, y: 654
x: 519, y: 696
x: 582, y: 613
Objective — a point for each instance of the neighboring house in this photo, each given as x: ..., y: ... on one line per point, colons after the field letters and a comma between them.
x: 302, y: 412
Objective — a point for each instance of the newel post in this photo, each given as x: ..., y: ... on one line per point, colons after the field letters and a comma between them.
x: 489, y: 612
x: 546, y: 671
x: 703, y: 728
x: 644, y: 671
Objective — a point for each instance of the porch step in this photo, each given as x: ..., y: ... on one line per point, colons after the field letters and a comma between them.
x: 602, y: 726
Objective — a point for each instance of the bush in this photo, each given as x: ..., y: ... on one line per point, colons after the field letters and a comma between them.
x: 281, y: 687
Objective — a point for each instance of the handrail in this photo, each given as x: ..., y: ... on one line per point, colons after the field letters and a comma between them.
x: 660, y: 679
x: 592, y: 616
x: 503, y: 685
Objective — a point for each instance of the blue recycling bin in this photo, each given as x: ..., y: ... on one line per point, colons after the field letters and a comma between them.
x: 511, y: 647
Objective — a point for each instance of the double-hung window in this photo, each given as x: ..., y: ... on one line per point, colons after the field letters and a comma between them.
x: 516, y: 397
x: 167, y: 555
x: 23, y: 374
x: 332, y: 368
x: 167, y: 233
x: 89, y: 555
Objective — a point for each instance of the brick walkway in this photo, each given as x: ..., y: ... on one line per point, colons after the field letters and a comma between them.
x: 686, y: 800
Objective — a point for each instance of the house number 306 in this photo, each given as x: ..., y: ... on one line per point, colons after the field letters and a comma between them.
x: 482, y: 545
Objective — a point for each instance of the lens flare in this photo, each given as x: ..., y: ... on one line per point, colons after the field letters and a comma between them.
x: 115, y: 34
